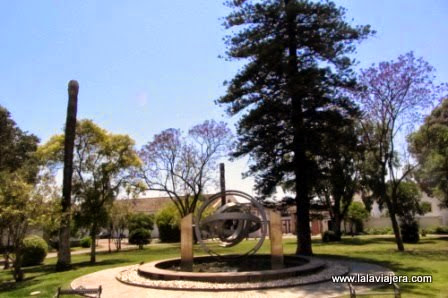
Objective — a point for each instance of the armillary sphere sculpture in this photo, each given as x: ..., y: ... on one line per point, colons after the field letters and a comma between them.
x: 230, y: 222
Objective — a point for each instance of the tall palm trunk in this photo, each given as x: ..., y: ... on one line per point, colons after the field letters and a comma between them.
x: 64, y: 258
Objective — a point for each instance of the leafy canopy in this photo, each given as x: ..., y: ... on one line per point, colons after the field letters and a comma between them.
x: 429, y: 146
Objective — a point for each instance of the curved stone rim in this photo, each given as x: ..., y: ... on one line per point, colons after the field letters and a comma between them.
x: 234, y: 193
x: 150, y: 270
x: 130, y: 277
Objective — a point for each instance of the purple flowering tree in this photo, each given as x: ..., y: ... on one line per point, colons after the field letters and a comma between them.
x: 393, y: 97
x: 184, y: 166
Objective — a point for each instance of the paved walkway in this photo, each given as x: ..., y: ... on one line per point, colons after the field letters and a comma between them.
x: 101, y: 247
x: 113, y: 288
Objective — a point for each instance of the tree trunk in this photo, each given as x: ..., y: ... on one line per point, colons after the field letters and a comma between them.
x: 300, y: 164
x: 336, y: 220
x: 395, y: 226
x: 18, y: 272
x: 64, y: 258
x: 303, y: 225
x: 6, y: 253
x: 93, y: 233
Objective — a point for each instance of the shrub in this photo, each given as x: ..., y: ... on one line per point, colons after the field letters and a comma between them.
x: 441, y: 230
x: 168, y: 220
x: 140, y: 220
x: 34, y: 250
x: 329, y: 236
x: 140, y: 237
x: 409, y: 231
x: 86, y: 242
x: 379, y: 231
x: 357, y: 213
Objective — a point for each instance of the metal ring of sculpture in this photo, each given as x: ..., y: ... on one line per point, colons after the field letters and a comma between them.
x: 230, y: 223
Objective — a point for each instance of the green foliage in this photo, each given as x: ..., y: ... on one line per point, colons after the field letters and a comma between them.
x: 86, y: 242
x: 140, y: 220
x: 16, y: 147
x: 102, y: 168
x: 140, y: 237
x: 379, y: 231
x: 34, y: 250
x: 168, y: 221
x: 440, y: 230
x: 425, y: 207
x: 140, y: 226
x: 408, y: 205
x: 408, y: 199
x: 357, y: 212
x: 429, y: 145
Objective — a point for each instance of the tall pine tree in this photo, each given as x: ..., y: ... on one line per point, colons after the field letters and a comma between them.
x: 289, y: 90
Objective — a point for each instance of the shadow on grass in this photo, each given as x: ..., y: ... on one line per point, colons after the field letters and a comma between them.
x: 33, y: 274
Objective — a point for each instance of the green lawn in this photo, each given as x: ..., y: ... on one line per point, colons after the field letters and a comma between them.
x: 430, y: 256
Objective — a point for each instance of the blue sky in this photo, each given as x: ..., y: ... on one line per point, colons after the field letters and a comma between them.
x: 144, y: 66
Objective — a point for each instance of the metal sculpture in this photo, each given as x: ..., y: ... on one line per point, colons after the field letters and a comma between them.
x: 230, y: 222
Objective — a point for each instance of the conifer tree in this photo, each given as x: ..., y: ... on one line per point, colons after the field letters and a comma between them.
x: 289, y: 90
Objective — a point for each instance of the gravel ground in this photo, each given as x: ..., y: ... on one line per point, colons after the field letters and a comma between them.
x: 114, y: 288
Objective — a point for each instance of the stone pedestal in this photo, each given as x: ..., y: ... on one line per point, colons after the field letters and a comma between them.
x: 275, y: 235
x: 186, y: 242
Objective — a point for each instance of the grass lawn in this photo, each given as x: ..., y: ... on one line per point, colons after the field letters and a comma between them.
x: 429, y: 257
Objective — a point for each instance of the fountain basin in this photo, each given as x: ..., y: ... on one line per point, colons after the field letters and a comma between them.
x: 255, y: 269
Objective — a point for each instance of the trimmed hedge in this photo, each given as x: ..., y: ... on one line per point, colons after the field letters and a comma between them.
x: 34, y: 251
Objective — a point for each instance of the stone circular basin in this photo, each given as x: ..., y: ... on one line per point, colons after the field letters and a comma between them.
x: 253, y: 268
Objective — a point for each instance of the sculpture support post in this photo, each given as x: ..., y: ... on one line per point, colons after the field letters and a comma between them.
x: 222, y: 182
x: 275, y: 235
x: 186, y: 242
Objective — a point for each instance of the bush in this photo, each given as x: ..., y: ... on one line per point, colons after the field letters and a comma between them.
x: 441, y: 230
x: 409, y: 231
x: 34, y: 251
x: 329, y: 236
x: 140, y: 220
x: 86, y: 242
x: 140, y: 237
x: 168, y: 220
